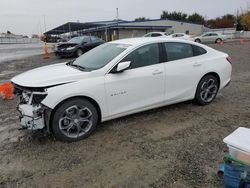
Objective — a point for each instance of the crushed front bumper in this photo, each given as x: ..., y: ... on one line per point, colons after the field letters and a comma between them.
x: 31, y: 117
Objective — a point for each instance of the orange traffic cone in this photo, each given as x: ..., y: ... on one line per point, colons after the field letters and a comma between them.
x: 241, y: 42
x: 46, y: 53
x: 6, y: 91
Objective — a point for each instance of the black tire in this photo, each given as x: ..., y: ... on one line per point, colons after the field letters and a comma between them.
x: 79, y: 52
x: 198, y: 40
x: 219, y: 40
x: 204, y: 95
x: 65, y: 127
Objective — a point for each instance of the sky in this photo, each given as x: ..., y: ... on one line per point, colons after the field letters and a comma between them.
x: 27, y: 16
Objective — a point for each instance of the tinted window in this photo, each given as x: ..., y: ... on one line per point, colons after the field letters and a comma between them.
x: 179, y: 35
x: 198, y: 50
x: 95, y: 39
x: 86, y: 39
x: 207, y: 35
x: 143, y: 56
x: 213, y: 34
x: 177, y: 51
x: 156, y: 35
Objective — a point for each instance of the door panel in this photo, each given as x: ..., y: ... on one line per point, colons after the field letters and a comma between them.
x: 135, y: 88
x: 140, y: 86
x: 183, y: 71
x: 182, y: 77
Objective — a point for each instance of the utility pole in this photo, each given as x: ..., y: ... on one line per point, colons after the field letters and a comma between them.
x: 44, y: 20
x: 117, y: 14
x: 117, y: 22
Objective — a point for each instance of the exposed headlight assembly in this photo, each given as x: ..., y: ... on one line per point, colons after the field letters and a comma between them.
x: 38, y: 97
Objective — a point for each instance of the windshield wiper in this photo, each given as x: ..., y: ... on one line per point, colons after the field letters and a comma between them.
x: 70, y: 63
x: 77, y: 66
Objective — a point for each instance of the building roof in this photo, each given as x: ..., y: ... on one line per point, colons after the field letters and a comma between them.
x: 114, y: 24
x: 76, y: 26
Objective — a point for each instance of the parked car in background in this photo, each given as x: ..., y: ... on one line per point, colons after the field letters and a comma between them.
x: 77, y: 46
x: 117, y: 79
x: 181, y: 36
x: 155, y: 34
x: 210, y: 37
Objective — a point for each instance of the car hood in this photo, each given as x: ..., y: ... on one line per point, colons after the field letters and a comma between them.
x: 66, y: 45
x: 49, y: 76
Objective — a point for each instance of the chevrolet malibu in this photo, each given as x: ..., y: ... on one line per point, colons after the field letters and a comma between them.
x: 117, y: 79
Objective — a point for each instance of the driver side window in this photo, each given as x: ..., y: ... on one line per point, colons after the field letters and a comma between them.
x: 207, y: 35
x: 144, y: 56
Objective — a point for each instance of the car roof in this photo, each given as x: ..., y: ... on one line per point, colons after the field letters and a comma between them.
x: 179, y: 33
x: 156, y: 32
x: 210, y: 32
x: 145, y: 40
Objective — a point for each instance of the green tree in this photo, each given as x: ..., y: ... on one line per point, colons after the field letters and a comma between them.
x: 196, y: 18
x: 174, y: 15
x: 245, y: 20
x: 141, y: 19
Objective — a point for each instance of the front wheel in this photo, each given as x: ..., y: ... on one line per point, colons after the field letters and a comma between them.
x: 79, y: 52
x: 207, y: 90
x: 74, y: 120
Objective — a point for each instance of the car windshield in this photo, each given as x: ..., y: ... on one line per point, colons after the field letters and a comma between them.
x: 78, y: 40
x: 99, y: 56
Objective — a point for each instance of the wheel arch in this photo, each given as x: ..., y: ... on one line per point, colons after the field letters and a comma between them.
x: 91, y: 100
x: 219, y: 38
x: 210, y: 73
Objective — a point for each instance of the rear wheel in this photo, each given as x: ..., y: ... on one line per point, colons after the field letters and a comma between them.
x: 218, y: 41
x: 207, y: 90
x: 198, y: 40
x: 74, y: 120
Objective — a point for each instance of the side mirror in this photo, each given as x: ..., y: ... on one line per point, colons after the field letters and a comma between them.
x: 123, y: 66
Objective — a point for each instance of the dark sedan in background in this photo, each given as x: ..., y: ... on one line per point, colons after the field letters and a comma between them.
x: 77, y: 46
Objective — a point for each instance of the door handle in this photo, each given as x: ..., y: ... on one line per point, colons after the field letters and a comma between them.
x: 197, y: 65
x: 157, y: 73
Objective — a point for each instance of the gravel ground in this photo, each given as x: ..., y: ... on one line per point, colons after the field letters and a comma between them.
x: 174, y: 146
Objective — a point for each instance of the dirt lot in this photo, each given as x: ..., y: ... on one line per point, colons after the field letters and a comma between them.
x: 175, y: 146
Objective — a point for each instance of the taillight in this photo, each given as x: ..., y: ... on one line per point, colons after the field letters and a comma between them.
x: 229, y: 60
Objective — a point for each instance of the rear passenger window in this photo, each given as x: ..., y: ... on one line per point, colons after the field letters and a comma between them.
x: 198, y: 50
x: 144, y: 56
x: 177, y: 51
x: 156, y: 35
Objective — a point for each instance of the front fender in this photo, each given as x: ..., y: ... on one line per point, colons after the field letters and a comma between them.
x: 93, y: 89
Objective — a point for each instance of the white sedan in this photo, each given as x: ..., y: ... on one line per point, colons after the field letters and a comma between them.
x: 181, y: 36
x: 155, y: 34
x: 117, y: 79
x: 210, y: 37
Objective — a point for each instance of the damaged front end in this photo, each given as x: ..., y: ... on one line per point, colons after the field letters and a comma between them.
x: 33, y: 114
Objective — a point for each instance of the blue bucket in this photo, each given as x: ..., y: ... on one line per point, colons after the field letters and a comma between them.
x: 233, y: 175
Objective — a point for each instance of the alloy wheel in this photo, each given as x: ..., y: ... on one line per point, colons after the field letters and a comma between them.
x: 76, y: 121
x: 209, y: 90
